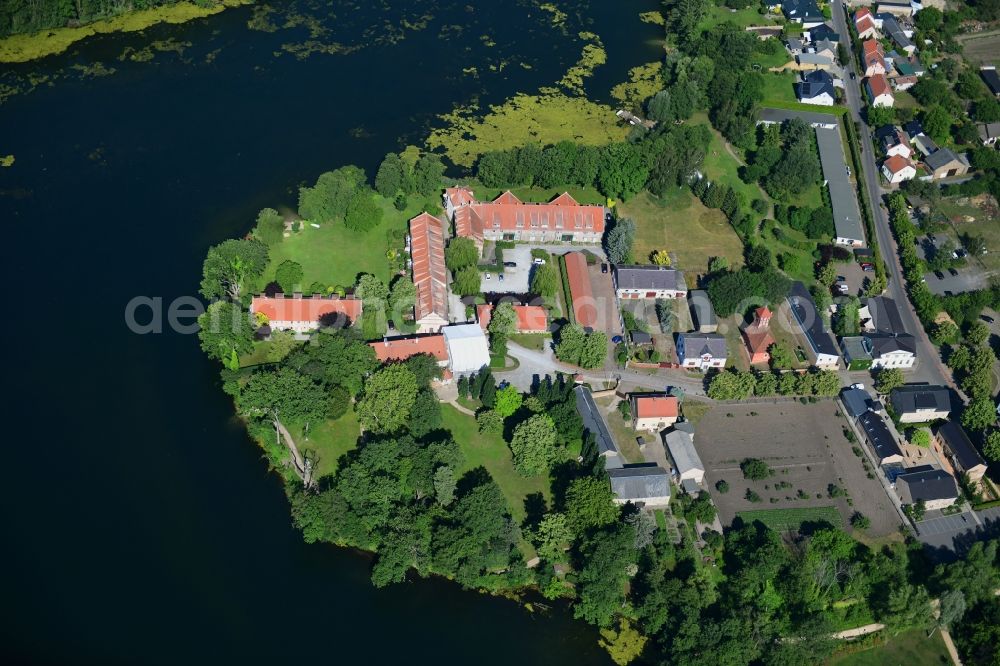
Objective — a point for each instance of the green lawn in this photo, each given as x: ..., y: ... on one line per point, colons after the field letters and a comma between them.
x: 492, y: 452
x: 717, y: 15
x: 791, y: 519
x: 330, y: 440
x: 721, y: 166
x: 912, y: 648
x: 780, y: 88
x: 334, y: 255
x: 536, y: 341
x: 681, y: 224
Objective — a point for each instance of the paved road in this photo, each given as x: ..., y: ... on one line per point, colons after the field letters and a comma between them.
x: 929, y: 365
x: 543, y: 363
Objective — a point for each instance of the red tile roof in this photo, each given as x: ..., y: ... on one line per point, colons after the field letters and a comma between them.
x: 584, y: 307
x: 865, y: 24
x: 530, y: 318
x: 861, y: 13
x: 879, y: 85
x: 308, y: 309
x: 872, y: 46
x: 508, y: 213
x: 662, y: 406
x: 401, y: 349
x: 429, y: 273
x: 896, y: 163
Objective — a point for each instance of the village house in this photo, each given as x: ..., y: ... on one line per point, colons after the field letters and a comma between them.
x: 644, y: 484
x: 702, y: 312
x: 952, y: 440
x: 943, y: 163
x: 812, y: 329
x: 895, y: 7
x: 757, y: 336
x: 865, y: 23
x: 649, y: 282
x: 856, y: 402
x: 895, y: 32
x: 302, y: 314
x: 823, y: 32
x: 816, y: 88
x: 430, y: 276
x: 897, y: 169
x: 893, y: 141
x: 653, y: 412
x: 879, y: 439
x: 913, y: 129
x: 701, y: 351
x: 580, y: 290
x: 991, y: 78
x: 400, y: 349
x: 878, y: 90
x: 901, y: 83
x: 891, y: 351
x: 826, y: 48
x: 805, y: 12
x: 812, y: 61
x: 872, y: 58
x: 530, y: 318
x: 795, y: 46
x: 507, y: 218
x: 988, y: 133
x: 936, y: 488
x: 920, y: 403
x: 689, y: 471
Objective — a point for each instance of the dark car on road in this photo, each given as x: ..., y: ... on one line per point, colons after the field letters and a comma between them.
x: 510, y: 264
x: 953, y: 272
x: 939, y: 275
x: 604, y: 268
x: 988, y: 319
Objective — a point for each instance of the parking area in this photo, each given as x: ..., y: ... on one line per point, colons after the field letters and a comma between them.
x: 960, y: 530
x: 514, y: 279
x: 949, y: 281
x: 805, y: 446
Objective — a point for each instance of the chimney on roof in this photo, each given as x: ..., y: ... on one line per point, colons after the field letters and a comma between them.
x: 279, y: 294
x: 297, y: 295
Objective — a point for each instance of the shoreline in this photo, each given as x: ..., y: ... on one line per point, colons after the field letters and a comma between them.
x: 33, y: 46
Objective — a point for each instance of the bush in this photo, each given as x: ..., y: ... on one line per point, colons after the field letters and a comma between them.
x: 722, y: 486
x: 752, y: 496
x: 755, y: 469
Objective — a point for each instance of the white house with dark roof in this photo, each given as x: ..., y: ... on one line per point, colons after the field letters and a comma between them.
x: 633, y: 282
x: 891, y: 351
x: 816, y: 88
x: 701, y: 351
x: 920, y: 403
x: 936, y: 488
x: 645, y: 484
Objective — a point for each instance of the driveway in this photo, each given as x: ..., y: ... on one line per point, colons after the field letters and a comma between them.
x: 966, y: 280
x: 515, y: 280
x: 931, y: 368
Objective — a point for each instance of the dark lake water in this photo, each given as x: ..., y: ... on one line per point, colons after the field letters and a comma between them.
x: 140, y: 523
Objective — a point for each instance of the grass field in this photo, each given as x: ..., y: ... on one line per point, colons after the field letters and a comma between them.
x: 912, y: 648
x: 334, y: 255
x: 717, y: 15
x: 791, y: 519
x: 780, y: 87
x: 981, y: 47
x: 681, y: 224
x: 721, y: 166
x: 535, y: 341
x: 330, y: 440
x: 492, y: 452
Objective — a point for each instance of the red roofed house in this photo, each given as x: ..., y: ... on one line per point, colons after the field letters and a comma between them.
x: 757, y: 336
x: 879, y: 92
x: 653, y: 412
x: 530, y: 318
x: 429, y: 273
x: 865, y: 24
x: 301, y: 314
x: 896, y: 169
x: 507, y: 218
x: 873, y: 58
x: 400, y: 349
x: 584, y: 306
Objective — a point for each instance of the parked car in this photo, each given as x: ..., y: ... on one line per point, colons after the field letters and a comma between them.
x: 510, y: 264
x: 988, y: 319
x: 538, y: 260
x: 500, y: 277
x: 953, y: 272
x: 868, y: 268
x: 859, y: 386
x: 853, y: 76
x: 489, y: 277
x: 962, y: 253
x: 604, y: 268
x: 939, y: 275
x: 841, y: 278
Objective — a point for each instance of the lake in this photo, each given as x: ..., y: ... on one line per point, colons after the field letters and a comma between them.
x: 140, y: 522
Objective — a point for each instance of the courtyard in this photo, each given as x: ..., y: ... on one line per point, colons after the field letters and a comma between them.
x: 805, y: 446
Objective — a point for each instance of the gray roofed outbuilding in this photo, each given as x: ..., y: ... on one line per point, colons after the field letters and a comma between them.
x: 679, y: 441
x: 649, y: 277
x: 856, y: 401
x: 639, y: 483
x: 961, y: 446
x: 593, y: 421
x: 846, y: 214
x: 702, y: 311
x: 804, y: 308
x: 880, y: 437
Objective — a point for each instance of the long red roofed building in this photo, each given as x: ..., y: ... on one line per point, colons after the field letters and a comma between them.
x: 305, y: 313
x: 510, y: 219
x: 530, y: 318
x: 584, y: 305
x: 430, y: 276
x: 401, y: 349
